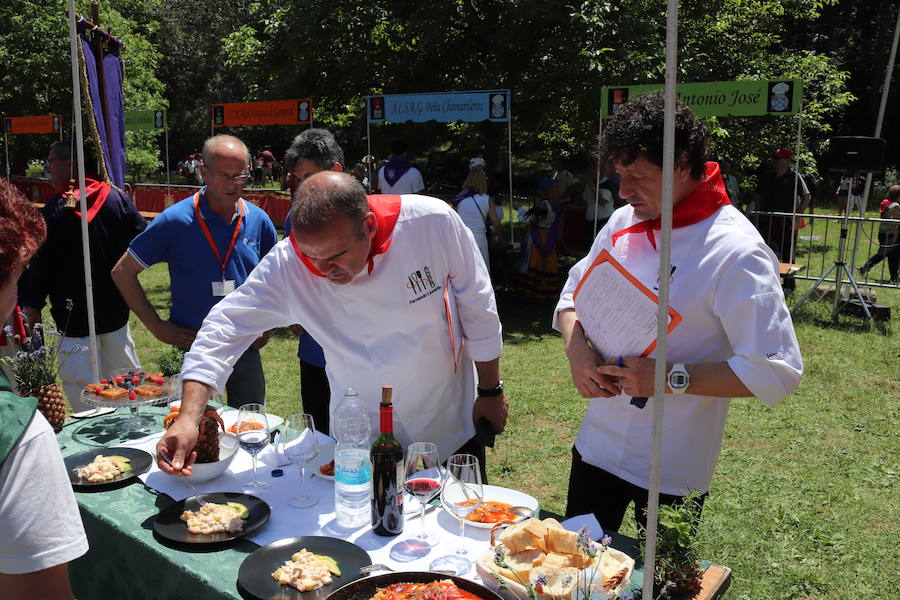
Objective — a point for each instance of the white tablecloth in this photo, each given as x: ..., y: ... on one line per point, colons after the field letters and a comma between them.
x: 286, y: 522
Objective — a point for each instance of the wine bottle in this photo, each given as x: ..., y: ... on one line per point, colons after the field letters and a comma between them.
x: 387, y: 473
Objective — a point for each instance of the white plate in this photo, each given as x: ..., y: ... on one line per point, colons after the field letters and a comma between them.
x: 230, y: 417
x: 502, y: 494
x: 326, y: 455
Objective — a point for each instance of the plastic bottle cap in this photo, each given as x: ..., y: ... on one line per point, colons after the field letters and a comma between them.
x: 277, y: 472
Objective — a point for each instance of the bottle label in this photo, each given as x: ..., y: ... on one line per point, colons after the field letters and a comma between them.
x: 353, y: 468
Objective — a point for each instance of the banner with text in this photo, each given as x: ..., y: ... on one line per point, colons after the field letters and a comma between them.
x: 145, y: 120
x: 483, y: 105
x: 39, y: 124
x: 276, y: 112
x: 719, y: 98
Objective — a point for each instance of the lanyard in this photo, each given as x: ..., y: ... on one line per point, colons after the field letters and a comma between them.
x: 208, y: 235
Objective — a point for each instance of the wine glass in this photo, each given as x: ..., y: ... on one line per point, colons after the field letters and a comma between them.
x: 253, y: 435
x: 299, y: 444
x: 423, y: 481
x: 462, y: 493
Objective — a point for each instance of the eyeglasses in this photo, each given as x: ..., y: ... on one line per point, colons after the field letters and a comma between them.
x: 237, y: 179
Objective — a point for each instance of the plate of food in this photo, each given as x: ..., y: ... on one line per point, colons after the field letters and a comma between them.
x: 495, y: 506
x: 566, y: 563
x: 93, y: 468
x: 132, y: 387
x: 414, y: 585
x: 230, y: 417
x: 306, y: 567
x: 325, y: 462
x: 225, y: 516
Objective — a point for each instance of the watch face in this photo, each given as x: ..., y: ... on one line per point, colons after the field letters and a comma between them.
x: 678, y: 380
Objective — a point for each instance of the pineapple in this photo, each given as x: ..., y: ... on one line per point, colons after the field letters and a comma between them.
x: 207, y: 447
x: 51, y: 403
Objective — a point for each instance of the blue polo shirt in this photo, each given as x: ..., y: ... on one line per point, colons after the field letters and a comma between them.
x: 175, y: 237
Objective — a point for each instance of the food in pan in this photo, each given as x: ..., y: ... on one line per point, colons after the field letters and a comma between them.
x: 248, y: 426
x: 443, y: 589
x: 307, y: 571
x: 492, y: 511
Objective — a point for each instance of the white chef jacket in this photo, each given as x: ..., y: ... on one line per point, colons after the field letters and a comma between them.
x: 387, y: 328
x: 410, y: 182
x: 727, y: 290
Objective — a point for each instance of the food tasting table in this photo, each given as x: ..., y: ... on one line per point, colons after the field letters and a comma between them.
x: 127, y: 560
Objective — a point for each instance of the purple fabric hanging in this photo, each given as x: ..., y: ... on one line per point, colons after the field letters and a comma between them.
x: 395, y: 169
x: 113, y: 146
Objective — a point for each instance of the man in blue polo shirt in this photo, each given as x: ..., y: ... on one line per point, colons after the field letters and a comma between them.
x: 211, y: 241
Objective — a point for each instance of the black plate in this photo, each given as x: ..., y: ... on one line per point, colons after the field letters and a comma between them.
x: 168, y: 523
x: 255, y: 575
x: 363, y: 589
x: 140, y: 462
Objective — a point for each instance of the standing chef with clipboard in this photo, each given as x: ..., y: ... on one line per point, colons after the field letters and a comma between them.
x: 735, y: 338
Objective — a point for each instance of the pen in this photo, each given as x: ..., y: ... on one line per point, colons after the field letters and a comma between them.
x: 638, y: 401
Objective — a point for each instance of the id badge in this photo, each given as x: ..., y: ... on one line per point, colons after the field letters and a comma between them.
x: 222, y: 288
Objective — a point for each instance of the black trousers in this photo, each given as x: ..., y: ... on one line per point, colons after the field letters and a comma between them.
x: 315, y: 393
x: 474, y: 447
x: 593, y: 490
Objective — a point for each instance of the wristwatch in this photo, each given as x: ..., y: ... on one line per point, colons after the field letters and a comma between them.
x: 494, y: 391
x: 679, y: 379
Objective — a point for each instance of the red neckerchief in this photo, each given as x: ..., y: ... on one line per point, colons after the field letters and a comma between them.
x: 386, y: 209
x: 96, y: 191
x: 704, y: 201
x: 18, y: 328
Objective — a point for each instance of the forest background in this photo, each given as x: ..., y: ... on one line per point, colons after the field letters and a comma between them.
x: 554, y: 56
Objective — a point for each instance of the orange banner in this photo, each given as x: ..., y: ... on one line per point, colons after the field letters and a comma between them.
x: 41, y: 124
x: 277, y: 112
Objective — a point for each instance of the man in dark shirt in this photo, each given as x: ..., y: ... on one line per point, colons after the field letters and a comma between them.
x: 779, y: 192
x: 57, y: 271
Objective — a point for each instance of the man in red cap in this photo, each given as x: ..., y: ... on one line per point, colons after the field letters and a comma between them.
x: 780, y: 189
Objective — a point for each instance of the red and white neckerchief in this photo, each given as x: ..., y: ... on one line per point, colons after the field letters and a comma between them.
x: 97, y: 192
x: 386, y: 209
x: 703, y: 202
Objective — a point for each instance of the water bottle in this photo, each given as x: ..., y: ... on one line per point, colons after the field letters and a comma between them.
x: 352, y: 471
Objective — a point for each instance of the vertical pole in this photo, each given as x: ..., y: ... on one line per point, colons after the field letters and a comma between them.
x: 6, y: 149
x: 662, y: 319
x: 796, y: 185
x: 372, y: 183
x: 310, y: 113
x: 166, y: 132
x: 79, y: 148
x: 512, y: 230
x: 597, y: 178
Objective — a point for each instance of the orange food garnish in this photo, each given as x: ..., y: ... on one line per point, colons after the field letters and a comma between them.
x: 433, y: 590
x: 491, y: 511
x: 246, y: 426
x: 327, y: 469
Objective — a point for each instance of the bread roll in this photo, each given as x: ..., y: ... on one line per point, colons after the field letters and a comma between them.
x: 561, y: 583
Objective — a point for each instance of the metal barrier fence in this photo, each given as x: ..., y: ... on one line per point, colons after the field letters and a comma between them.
x: 816, y: 238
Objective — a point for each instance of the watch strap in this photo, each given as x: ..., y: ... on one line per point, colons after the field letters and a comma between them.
x: 490, y: 392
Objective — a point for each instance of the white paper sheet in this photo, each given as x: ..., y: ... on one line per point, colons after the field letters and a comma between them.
x: 617, y: 315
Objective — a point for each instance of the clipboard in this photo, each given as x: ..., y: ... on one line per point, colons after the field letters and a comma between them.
x: 604, y: 262
x: 453, y: 325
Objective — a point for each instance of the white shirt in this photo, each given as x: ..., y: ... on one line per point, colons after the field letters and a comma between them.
x: 603, y: 204
x: 727, y: 289
x: 387, y: 328
x: 409, y: 183
x: 40, y: 526
x: 471, y: 214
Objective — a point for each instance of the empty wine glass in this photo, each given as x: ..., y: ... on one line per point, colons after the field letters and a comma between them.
x: 462, y: 493
x: 252, y: 432
x: 424, y: 479
x: 299, y: 444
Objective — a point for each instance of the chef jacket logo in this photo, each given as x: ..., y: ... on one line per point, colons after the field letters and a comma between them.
x: 421, y: 284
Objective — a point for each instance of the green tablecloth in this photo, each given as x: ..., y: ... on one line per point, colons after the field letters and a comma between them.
x: 127, y: 561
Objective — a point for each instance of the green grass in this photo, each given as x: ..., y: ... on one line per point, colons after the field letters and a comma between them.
x: 804, y: 503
